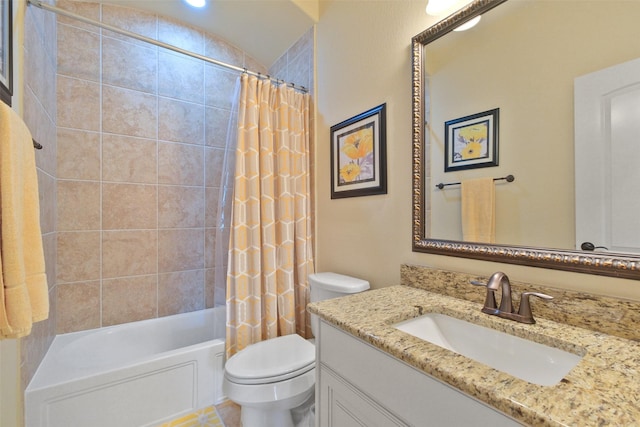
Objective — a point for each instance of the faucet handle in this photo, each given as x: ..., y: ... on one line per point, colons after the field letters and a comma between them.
x: 490, y: 305
x: 524, y: 312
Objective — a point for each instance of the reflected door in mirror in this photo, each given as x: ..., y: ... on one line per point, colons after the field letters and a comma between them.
x: 607, y: 128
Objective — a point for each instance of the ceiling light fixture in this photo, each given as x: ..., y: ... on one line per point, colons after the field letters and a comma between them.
x: 438, y: 7
x: 447, y: 7
x: 196, y: 3
x: 468, y: 24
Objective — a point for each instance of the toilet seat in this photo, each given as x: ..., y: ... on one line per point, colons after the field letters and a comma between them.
x: 273, y: 360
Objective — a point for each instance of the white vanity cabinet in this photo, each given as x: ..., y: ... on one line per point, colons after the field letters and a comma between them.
x: 360, y: 385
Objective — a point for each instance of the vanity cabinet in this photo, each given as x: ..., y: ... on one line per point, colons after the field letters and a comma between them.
x: 360, y: 385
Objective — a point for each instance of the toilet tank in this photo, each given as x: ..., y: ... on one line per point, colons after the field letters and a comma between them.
x: 332, y: 285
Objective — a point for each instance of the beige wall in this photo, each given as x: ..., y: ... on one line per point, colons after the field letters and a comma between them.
x: 363, y: 57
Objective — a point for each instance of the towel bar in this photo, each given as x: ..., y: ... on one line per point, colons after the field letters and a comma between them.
x: 508, y: 178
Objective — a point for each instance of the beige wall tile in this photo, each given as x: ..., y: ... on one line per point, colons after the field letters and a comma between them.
x: 78, y: 53
x: 180, y: 207
x: 86, y: 9
x: 217, y: 48
x: 220, y: 85
x: 49, y: 247
x: 147, y: 153
x: 129, y: 206
x: 174, y: 33
x: 209, y: 288
x: 211, y: 206
x: 37, y: 87
x: 47, y: 202
x: 303, y: 46
x: 78, y: 104
x: 78, y: 154
x: 180, y: 121
x: 180, y: 292
x: 180, y: 164
x: 181, y: 77
x: 42, y: 127
x: 78, y: 306
x: 214, y: 166
x: 180, y: 249
x: 78, y: 205
x: 129, y: 253
x: 129, y: 299
x: 39, y: 72
x: 300, y: 70
x: 129, y: 159
x: 279, y: 68
x: 217, y: 126
x: 134, y: 20
x: 254, y: 65
x: 78, y: 256
x: 210, y: 247
x: 129, y: 112
x: 137, y: 70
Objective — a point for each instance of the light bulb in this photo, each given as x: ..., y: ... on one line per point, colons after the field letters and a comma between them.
x: 196, y: 3
x: 437, y: 7
x: 468, y: 24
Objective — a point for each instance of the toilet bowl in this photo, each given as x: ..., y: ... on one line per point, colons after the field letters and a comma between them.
x: 273, y: 381
x: 270, y: 378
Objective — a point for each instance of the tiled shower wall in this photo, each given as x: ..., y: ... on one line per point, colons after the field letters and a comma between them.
x: 141, y: 143
x: 39, y: 107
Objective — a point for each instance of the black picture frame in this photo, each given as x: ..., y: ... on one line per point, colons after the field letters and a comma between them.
x: 6, y: 51
x: 358, y: 155
x: 471, y: 142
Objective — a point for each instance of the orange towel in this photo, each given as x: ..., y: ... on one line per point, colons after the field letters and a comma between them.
x: 24, y: 295
x: 478, y: 210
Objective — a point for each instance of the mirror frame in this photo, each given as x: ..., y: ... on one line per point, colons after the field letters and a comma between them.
x: 614, y: 264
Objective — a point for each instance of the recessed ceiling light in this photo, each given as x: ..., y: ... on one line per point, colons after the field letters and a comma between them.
x: 196, y: 3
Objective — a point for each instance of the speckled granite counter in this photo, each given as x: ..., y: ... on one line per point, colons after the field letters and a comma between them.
x: 603, y: 389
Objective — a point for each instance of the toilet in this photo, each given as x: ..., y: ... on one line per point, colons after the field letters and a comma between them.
x: 273, y: 381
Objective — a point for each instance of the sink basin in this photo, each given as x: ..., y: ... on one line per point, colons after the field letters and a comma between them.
x: 530, y: 361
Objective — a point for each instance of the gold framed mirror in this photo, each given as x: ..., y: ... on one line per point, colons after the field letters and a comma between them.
x: 600, y: 263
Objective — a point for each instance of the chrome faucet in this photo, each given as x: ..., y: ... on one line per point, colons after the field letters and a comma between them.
x: 499, y: 280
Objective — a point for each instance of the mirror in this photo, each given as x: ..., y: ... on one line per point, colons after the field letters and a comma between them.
x: 536, y: 172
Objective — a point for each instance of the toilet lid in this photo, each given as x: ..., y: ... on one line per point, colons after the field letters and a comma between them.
x: 276, y: 359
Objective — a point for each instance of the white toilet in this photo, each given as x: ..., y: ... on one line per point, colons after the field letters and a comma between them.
x: 274, y: 379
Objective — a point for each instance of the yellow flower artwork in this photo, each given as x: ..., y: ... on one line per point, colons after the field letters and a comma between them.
x: 356, y: 156
x: 472, y: 141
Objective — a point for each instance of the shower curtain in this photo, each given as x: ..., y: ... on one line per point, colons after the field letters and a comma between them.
x: 270, y: 243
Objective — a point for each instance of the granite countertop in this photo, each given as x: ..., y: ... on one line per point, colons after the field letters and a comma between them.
x: 603, y: 389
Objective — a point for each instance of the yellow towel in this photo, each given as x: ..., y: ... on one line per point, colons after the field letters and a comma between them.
x: 478, y: 210
x: 24, y: 296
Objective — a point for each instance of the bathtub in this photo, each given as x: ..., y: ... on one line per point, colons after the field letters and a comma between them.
x: 136, y: 374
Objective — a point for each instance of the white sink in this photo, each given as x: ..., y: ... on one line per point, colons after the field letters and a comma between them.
x: 527, y: 360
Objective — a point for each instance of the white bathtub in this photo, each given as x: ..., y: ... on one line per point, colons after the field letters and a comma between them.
x: 137, y: 374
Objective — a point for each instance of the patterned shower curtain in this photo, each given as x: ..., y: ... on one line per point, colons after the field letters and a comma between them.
x: 270, y: 243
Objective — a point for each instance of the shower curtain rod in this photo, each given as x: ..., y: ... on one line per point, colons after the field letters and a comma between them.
x: 63, y: 12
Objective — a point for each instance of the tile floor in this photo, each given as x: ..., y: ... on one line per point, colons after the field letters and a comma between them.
x: 230, y: 414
